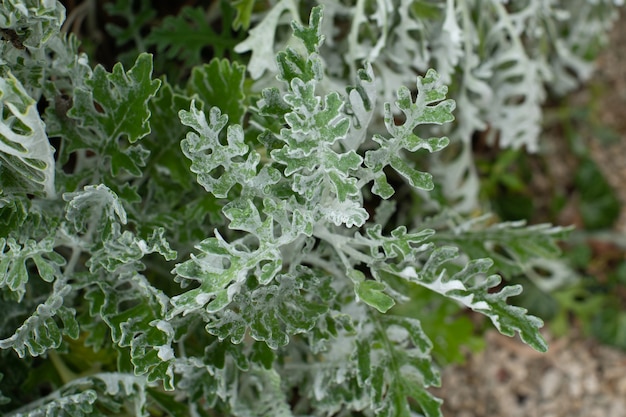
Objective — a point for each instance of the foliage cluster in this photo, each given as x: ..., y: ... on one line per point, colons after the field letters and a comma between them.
x: 253, y: 235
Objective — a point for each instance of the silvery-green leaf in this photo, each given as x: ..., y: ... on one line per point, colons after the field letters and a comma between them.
x: 221, y: 269
x: 260, y: 39
x: 471, y: 287
x: 274, y: 312
x: 26, y: 156
x: 113, y: 107
x: 41, y: 331
x: 96, y: 206
x: 133, y: 311
x: 33, y: 22
x: 14, y: 273
x: 218, y: 166
x: 430, y: 107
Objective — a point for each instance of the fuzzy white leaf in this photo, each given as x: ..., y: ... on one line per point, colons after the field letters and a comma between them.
x: 260, y: 40
x: 26, y: 156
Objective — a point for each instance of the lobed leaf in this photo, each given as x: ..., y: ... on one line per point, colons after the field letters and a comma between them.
x: 260, y: 40
x: 125, y: 250
x: 106, y: 392
x: 26, y: 156
x: 471, y: 287
x: 41, y: 331
x: 263, y: 394
x: 295, y: 301
x: 136, y: 15
x: 244, y: 10
x: 221, y: 270
x: 218, y: 167
x: 429, y: 107
x: 73, y: 405
x: 95, y: 209
x: 311, y: 35
x: 400, y: 244
x: 272, y: 313
x: 113, y: 107
x: 371, y: 293
x: 403, y: 369
x: 382, y: 367
x: 220, y: 83
x: 187, y: 36
x: 13, y: 213
x: 164, y: 140
x: 34, y: 22
x: 133, y: 310
x: 519, y: 244
x: 309, y: 158
x: 360, y: 105
x: 14, y: 256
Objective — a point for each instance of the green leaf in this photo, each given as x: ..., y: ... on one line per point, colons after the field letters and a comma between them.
x: 169, y: 403
x: 263, y: 395
x: 371, y: 293
x: 599, y: 205
x: 520, y: 245
x: 400, y: 372
x: 137, y: 16
x: 400, y: 244
x: 104, y: 392
x: 291, y: 64
x: 245, y: 216
x: 310, y: 35
x: 127, y: 250
x: 281, y: 303
x: 186, y: 36
x: 244, y: 10
x: 3, y: 400
x: 309, y: 158
x: 26, y: 157
x: 113, y: 107
x: 220, y: 83
x: 380, y: 368
x: 73, y: 405
x: 163, y: 142
x: 123, y: 98
x: 14, y: 211
x: 221, y: 270
x: 453, y: 331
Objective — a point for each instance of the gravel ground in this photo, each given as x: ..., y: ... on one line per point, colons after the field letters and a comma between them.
x: 576, y: 378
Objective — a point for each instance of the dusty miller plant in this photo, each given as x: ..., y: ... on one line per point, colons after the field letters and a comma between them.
x: 199, y: 248
x: 499, y: 58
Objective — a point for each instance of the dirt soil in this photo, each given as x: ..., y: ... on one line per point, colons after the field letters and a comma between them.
x: 611, y: 157
x: 578, y: 377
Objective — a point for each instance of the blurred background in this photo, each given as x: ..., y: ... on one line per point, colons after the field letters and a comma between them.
x: 582, y: 183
